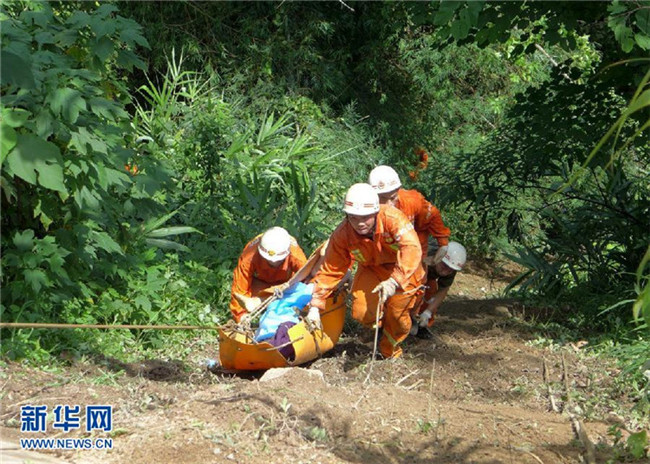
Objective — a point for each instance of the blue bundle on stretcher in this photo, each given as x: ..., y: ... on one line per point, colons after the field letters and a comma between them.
x: 284, y: 311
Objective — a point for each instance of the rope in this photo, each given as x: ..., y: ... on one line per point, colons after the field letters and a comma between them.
x: 43, y: 325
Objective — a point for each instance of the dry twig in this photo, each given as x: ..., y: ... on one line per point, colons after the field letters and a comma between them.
x: 416, y: 384
x: 565, y: 377
x: 551, y: 398
x: 536, y: 457
x: 406, y: 377
x: 578, y: 426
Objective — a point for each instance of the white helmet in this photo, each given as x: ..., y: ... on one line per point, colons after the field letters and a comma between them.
x: 455, y: 256
x: 274, y: 244
x: 384, y: 179
x: 361, y: 200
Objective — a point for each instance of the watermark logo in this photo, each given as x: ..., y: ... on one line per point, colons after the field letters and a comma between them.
x: 99, y: 418
x: 66, y: 417
x: 34, y: 419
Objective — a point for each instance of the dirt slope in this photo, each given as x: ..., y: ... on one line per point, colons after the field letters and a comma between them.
x: 475, y: 393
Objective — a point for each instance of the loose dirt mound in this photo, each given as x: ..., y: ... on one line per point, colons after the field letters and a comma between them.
x: 474, y: 393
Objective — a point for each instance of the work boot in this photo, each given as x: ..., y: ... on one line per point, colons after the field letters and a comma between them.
x: 424, y: 333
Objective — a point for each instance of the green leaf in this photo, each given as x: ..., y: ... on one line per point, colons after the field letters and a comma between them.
x: 40, y: 18
x: 87, y: 199
x: 24, y: 241
x: 106, y: 108
x: 467, y: 21
x: 460, y: 27
x: 131, y: 35
x: 639, y: 103
x: 8, y: 141
x: 114, y: 176
x: 443, y: 17
x: 616, y: 8
x: 143, y: 302
x: 622, y: 33
x: 43, y: 217
x: 643, y: 20
x: 78, y: 19
x: 166, y: 244
x: 474, y: 9
x: 68, y: 103
x: 35, y: 159
x: 83, y: 138
x: 44, y: 123
x: 127, y: 59
x: 36, y: 278
x: 642, y: 41
x: 44, y: 37
x: 102, y: 48
x: 106, y: 9
x: 15, y: 117
x: 16, y: 71
x: 102, y: 28
x: 169, y: 231
x: 636, y: 444
x: 155, y: 223
x: 66, y: 37
x: 105, y: 242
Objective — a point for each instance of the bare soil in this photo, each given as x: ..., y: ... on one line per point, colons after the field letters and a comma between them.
x: 475, y: 393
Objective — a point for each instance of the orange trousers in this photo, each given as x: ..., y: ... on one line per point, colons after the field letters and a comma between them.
x: 396, y: 319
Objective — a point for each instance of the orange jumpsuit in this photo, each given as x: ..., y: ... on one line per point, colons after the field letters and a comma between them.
x: 254, y: 274
x: 426, y: 220
x: 425, y: 217
x: 393, y: 251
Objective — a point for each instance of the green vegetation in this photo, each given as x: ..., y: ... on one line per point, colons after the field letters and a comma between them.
x: 143, y: 144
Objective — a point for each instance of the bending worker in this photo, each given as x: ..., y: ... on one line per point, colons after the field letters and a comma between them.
x: 427, y: 221
x: 385, y: 246
x: 266, y: 264
x: 441, y: 272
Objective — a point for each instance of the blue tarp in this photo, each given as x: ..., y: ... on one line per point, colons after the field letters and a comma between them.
x: 284, y: 310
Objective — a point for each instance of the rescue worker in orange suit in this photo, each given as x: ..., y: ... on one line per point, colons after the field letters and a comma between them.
x: 441, y: 272
x: 426, y: 219
x: 266, y: 264
x: 383, y: 242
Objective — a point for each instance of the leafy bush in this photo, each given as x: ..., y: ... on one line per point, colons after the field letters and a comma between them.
x: 77, y: 202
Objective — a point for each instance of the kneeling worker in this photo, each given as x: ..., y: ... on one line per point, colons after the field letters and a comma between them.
x: 441, y: 272
x: 267, y: 262
x: 384, y: 244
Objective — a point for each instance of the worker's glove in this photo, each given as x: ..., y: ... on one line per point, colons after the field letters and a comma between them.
x: 414, y: 327
x: 249, y: 303
x: 313, y: 317
x: 425, y: 317
x: 386, y: 289
x: 252, y: 303
x: 278, y: 290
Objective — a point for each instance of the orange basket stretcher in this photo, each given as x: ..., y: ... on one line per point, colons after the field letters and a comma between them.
x: 238, y: 351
